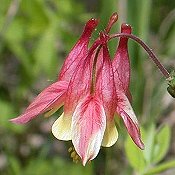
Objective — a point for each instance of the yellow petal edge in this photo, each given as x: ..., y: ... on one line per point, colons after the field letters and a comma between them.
x: 111, y: 134
x: 61, y: 128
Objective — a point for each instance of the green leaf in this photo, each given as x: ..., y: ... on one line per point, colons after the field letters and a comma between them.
x: 170, y: 44
x: 149, y: 143
x: 134, y: 155
x: 161, y: 167
x: 15, y: 37
x: 16, y: 31
x: 50, y: 166
x: 7, y: 112
x: 162, y: 141
x: 14, y: 165
x: 36, y: 17
x: 45, y: 53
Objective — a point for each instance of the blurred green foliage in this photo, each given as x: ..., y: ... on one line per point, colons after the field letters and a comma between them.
x: 35, y: 37
x: 156, y: 146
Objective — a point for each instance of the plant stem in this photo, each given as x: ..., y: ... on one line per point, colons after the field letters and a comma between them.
x: 149, y: 51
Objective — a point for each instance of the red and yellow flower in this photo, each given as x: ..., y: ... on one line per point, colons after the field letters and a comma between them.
x: 92, y: 88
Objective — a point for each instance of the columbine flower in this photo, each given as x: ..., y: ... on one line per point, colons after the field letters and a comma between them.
x: 92, y: 89
x: 89, y: 107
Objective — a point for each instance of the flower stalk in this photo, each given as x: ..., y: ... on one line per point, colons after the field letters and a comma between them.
x: 148, y: 50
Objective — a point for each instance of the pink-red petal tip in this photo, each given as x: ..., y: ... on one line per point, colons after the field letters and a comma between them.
x: 126, y: 28
x: 139, y: 143
x: 114, y: 17
x: 18, y: 120
x: 111, y: 22
x: 91, y: 24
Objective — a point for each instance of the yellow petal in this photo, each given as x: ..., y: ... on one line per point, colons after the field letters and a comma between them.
x: 61, y: 128
x: 111, y: 134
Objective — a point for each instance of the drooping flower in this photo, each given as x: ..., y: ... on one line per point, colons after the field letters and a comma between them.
x: 92, y: 89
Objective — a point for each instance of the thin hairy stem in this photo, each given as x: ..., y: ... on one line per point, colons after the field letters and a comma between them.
x: 149, y: 51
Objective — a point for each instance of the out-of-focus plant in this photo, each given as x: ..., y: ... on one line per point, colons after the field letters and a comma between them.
x: 157, y: 143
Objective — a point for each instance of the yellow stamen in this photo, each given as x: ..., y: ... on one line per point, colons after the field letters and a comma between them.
x: 89, y: 162
x: 76, y: 157
x: 70, y: 149
x: 73, y: 154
